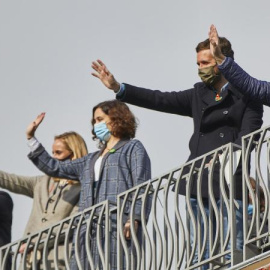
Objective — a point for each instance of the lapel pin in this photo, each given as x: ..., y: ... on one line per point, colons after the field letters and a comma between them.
x: 218, y: 97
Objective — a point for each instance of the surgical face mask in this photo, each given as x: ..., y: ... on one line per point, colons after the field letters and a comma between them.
x: 209, y: 76
x: 250, y: 209
x: 102, y: 132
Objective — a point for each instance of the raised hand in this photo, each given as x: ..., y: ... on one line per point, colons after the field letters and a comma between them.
x: 214, y: 45
x: 31, y: 129
x: 105, y: 76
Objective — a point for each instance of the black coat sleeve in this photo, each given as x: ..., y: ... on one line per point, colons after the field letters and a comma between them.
x: 168, y: 102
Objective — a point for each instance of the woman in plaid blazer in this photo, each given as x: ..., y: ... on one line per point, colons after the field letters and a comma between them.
x: 121, y: 164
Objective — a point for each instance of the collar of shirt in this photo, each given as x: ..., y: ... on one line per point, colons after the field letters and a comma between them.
x: 223, y: 88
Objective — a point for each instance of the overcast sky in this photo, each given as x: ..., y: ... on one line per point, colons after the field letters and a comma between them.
x: 46, y: 49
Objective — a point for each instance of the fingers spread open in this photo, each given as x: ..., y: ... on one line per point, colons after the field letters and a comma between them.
x: 100, y: 62
x: 95, y: 75
x: 95, y: 66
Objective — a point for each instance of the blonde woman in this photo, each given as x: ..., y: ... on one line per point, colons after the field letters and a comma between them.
x: 53, y: 199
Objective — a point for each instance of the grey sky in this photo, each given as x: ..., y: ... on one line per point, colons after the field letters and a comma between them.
x: 46, y: 51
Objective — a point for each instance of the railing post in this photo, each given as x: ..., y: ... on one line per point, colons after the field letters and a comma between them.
x: 232, y: 212
x: 268, y: 186
x: 244, y: 194
x: 119, y: 249
x: 107, y: 232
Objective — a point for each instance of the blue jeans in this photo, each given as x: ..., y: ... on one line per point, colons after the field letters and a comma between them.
x: 238, y: 228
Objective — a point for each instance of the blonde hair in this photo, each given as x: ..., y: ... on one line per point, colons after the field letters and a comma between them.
x: 74, y: 143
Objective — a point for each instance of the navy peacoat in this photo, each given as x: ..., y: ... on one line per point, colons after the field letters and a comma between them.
x: 215, y: 122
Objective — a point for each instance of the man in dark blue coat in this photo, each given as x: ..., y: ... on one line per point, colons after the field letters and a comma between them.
x: 221, y: 114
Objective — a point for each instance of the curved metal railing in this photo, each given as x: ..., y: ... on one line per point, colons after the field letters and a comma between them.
x: 168, y: 230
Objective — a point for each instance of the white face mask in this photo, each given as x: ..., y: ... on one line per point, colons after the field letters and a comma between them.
x: 102, y: 132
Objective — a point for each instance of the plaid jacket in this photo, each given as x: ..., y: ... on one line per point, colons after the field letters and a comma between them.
x: 126, y: 166
x: 122, y: 169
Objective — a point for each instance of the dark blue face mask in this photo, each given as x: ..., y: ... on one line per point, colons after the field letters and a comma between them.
x: 102, y: 132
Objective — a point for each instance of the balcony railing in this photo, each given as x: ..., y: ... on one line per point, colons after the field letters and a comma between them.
x: 256, y: 230
x: 173, y: 232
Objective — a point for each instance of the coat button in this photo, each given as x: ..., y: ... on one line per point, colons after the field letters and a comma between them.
x: 225, y: 112
x: 221, y: 135
x: 201, y: 134
x: 44, y: 220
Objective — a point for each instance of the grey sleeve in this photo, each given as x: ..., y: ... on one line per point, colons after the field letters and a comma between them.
x: 19, y: 184
x: 69, y: 169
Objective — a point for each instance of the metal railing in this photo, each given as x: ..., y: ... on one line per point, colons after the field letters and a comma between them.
x: 165, y: 241
x: 257, y: 225
x: 168, y: 230
x: 51, y: 248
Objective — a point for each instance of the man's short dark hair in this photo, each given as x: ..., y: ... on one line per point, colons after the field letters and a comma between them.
x: 224, y: 43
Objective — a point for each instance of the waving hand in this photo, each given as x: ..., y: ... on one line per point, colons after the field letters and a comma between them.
x: 105, y: 75
x: 214, y: 45
x: 31, y: 129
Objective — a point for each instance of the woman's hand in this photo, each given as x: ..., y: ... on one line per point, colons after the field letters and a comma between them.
x: 214, y: 45
x: 105, y: 76
x: 127, y: 231
x: 31, y: 129
x: 22, y: 248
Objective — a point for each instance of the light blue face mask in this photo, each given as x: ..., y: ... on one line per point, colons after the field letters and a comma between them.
x: 250, y: 209
x: 102, y: 131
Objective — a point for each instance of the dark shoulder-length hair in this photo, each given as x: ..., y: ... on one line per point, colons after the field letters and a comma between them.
x: 123, y: 122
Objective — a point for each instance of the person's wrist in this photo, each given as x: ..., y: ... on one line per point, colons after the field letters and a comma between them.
x: 116, y: 87
x: 220, y: 59
x: 29, y: 136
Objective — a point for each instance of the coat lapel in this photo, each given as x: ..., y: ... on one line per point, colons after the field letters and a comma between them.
x: 120, y: 144
x: 235, y: 91
x: 208, y: 96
